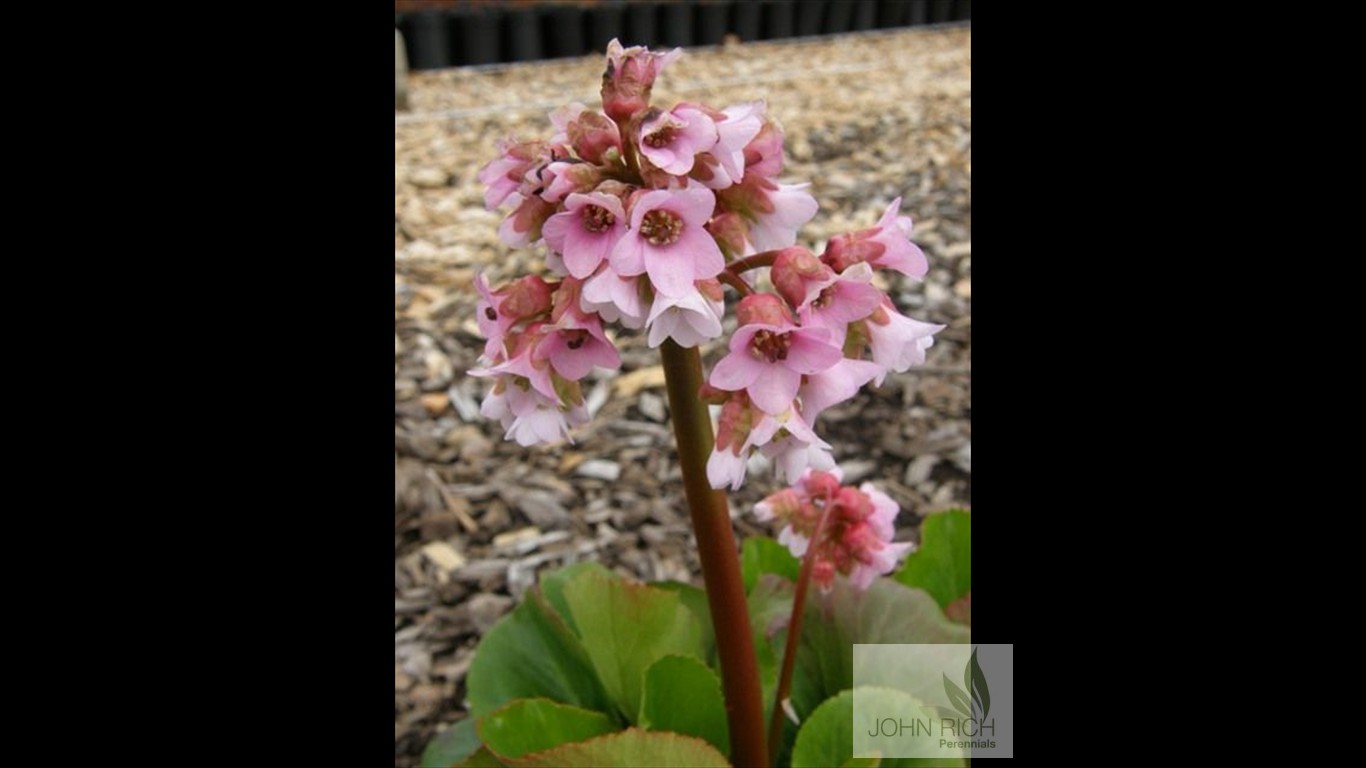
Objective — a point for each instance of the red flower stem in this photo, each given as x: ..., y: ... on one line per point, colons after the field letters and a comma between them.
x: 736, y: 282
x: 794, y: 631
x: 764, y: 259
x: 720, y: 561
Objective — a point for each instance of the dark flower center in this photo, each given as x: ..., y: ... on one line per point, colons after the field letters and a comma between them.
x: 770, y: 346
x: 597, y: 219
x: 661, y: 228
x: 660, y: 137
x: 576, y: 339
x: 490, y: 314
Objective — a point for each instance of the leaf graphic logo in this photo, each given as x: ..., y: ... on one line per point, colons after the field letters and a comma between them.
x: 976, y: 707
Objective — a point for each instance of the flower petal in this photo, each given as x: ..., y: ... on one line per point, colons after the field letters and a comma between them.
x: 628, y: 256
x: 670, y: 270
x: 735, y: 371
x: 774, y: 389
x: 810, y: 352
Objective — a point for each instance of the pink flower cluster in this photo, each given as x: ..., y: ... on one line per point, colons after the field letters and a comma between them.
x: 857, y: 538
x: 645, y: 213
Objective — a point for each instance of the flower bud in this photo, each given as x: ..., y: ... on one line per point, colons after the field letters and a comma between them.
x: 629, y: 76
x: 764, y: 309
x: 799, y: 276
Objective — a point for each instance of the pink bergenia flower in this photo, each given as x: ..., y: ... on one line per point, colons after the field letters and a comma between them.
x: 736, y: 127
x: 670, y: 140
x: 764, y: 153
x: 856, y: 540
x: 768, y: 361
x: 898, y: 342
x: 690, y: 320
x: 585, y: 231
x: 564, y: 177
x: 790, y: 206
x: 594, y: 137
x: 836, y: 384
x: 799, y: 276
x: 885, y: 246
x: 562, y: 116
x: 576, y: 344
x: 848, y: 298
x: 730, y: 451
x: 505, y: 174
x: 667, y: 240
x: 742, y: 428
x: 493, y: 324
x: 876, y: 555
x: 629, y: 78
x: 530, y: 417
x: 523, y: 364
x: 797, y: 448
x: 731, y: 233
x: 591, y: 134
x: 614, y: 298
x: 522, y: 227
x: 774, y: 211
x: 498, y: 311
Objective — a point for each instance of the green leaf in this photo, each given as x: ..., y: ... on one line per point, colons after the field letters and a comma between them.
x: 482, y: 758
x: 532, y: 653
x: 683, y: 695
x: 632, y: 626
x: 942, y: 565
x: 630, y: 748
x: 696, y: 601
x: 862, y: 762
x: 451, y: 746
x: 759, y: 555
x: 887, y: 612
x: 552, y: 586
x: 535, y: 725
x: 827, y: 736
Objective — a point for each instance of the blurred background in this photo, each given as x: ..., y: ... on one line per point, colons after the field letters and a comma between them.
x: 444, y: 33
x: 874, y: 99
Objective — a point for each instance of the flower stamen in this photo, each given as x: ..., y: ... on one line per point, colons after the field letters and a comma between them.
x: 661, y: 227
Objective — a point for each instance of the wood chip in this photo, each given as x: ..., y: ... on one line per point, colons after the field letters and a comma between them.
x: 629, y: 385
x: 443, y: 556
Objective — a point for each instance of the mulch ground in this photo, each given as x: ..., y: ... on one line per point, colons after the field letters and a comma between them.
x: 867, y: 118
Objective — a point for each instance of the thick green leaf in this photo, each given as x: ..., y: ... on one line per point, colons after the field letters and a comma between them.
x: 482, y: 758
x: 759, y: 555
x: 887, y: 612
x: 683, y: 695
x: 632, y: 748
x: 530, y: 653
x: 696, y: 601
x: 630, y: 626
x: 942, y: 565
x: 451, y: 746
x: 552, y: 586
x: 535, y: 725
x: 827, y: 737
